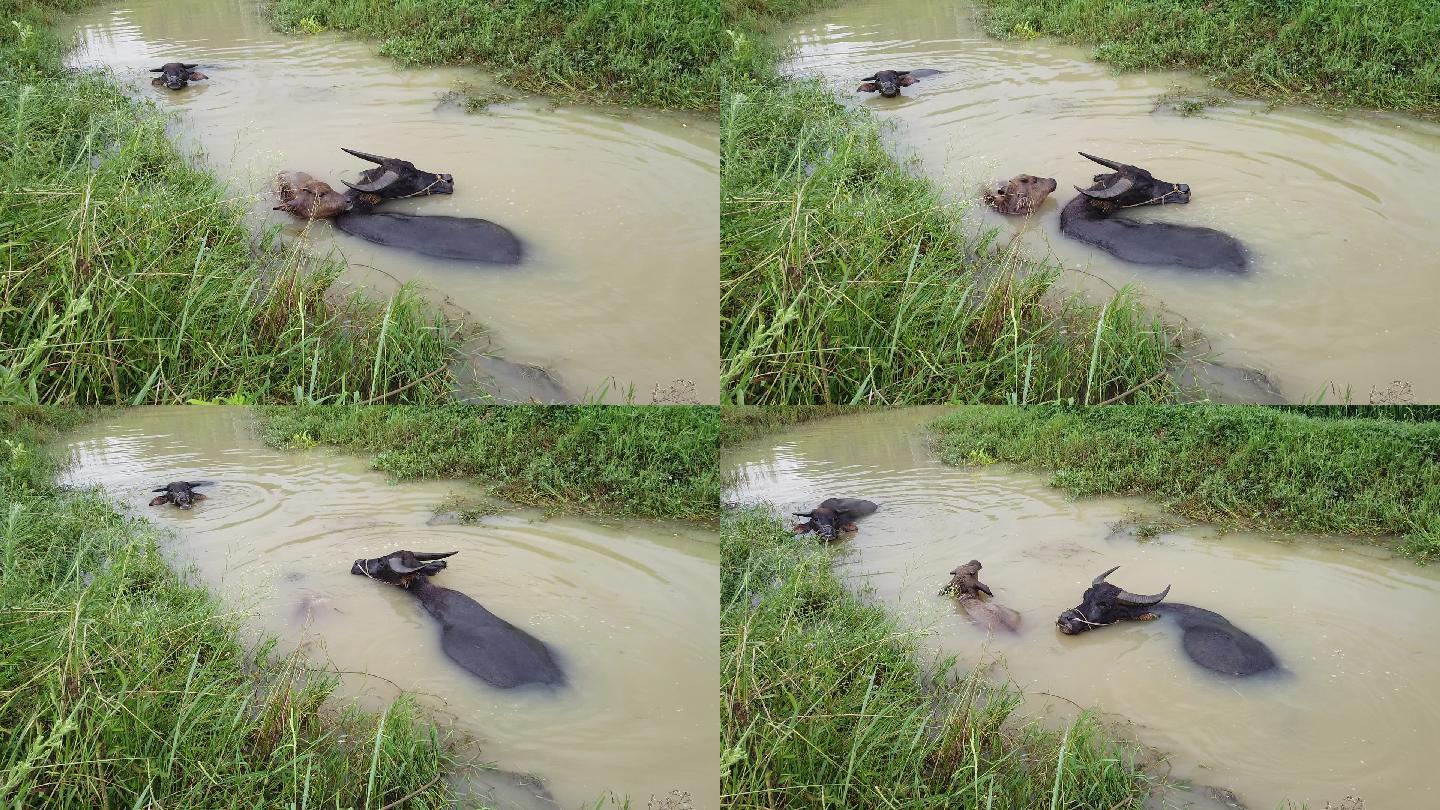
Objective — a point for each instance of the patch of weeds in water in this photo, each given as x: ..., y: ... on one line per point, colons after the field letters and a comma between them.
x: 1142, y: 526
x: 473, y: 99
x: 1187, y: 101
x: 308, y: 25
x: 300, y: 441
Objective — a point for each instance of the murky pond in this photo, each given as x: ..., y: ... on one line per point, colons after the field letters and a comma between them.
x: 618, y: 209
x: 1335, y: 209
x: 1356, y: 715
x: 280, y: 529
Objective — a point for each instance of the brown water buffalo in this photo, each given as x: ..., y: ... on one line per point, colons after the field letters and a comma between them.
x: 1022, y: 194
x: 1209, y: 638
x: 1090, y: 218
x: 180, y: 493
x: 309, y: 198
x: 486, y: 645
x: 176, y: 75
x: 966, y: 587
x: 889, y: 82
x: 834, y: 515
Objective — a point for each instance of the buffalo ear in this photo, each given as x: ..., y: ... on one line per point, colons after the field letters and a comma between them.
x: 156, y: 82
x: 160, y: 500
x: 196, y: 76
x: 867, y: 87
x: 197, y: 496
x: 908, y: 80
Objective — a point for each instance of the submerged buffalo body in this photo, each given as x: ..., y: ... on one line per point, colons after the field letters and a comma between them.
x: 176, y: 75
x: 1209, y: 638
x: 1090, y: 218
x: 834, y: 515
x: 966, y: 587
x: 888, y: 82
x: 180, y: 493
x: 465, y: 238
x: 1022, y: 194
x: 486, y: 645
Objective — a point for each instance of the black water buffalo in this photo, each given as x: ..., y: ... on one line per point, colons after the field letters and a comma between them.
x: 834, y: 514
x: 1022, y: 194
x: 180, y: 493
x: 395, y: 179
x: 889, y: 82
x: 1090, y: 219
x: 486, y: 645
x: 176, y: 75
x: 1209, y: 638
x: 966, y: 587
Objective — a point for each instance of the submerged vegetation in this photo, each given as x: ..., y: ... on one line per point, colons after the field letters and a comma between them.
x: 845, y: 278
x: 127, y: 276
x: 661, y: 53
x: 122, y: 686
x: 1369, y: 53
x: 1241, y: 467
x: 652, y: 462
x: 824, y: 703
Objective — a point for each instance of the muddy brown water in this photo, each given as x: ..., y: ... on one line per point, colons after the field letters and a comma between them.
x: 618, y: 209
x: 1336, y: 209
x: 1357, y: 714
x: 631, y: 608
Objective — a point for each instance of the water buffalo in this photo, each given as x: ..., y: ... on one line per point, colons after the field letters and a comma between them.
x: 396, y: 179
x: 966, y: 587
x: 1023, y: 194
x: 1209, y: 638
x: 486, y: 645
x: 1089, y: 218
x: 176, y: 75
x: 309, y: 198
x: 180, y: 493
x: 889, y: 82
x: 834, y: 514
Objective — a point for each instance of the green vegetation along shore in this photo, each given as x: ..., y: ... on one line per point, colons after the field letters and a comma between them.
x: 652, y: 462
x: 741, y: 422
x: 1242, y: 467
x: 845, y: 278
x: 659, y: 53
x: 131, y: 277
x: 122, y: 686
x: 825, y: 703
x: 1383, y: 54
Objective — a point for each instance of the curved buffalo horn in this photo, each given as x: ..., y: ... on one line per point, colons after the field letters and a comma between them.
x: 1120, y: 186
x: 434, y: 555
x: 380, y: 183
x: 365, y: 156
x: 902, y: 73
x: 1101, y: 578
x: 1139, y: 600
x: 1109, y: 164
x: 157, y: 70
x: 796, y: 514
x: 189, y: 67
x: 869, y: 78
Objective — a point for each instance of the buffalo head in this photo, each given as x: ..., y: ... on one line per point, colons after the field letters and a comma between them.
x: 888, y: 82
x: 309, y: 198
x: 394, y: 178
x: 399, y: 567
x: 176, y: 75
x: 1104, y: 604
x: 965, y: 581
x: 180, y: 493
x: 1130, y: 186
x: 824, y: 521
x: 1022, y: 194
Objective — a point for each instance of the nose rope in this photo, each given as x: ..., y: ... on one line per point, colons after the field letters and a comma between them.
x: 434, y: 183
x: 1174, y: 189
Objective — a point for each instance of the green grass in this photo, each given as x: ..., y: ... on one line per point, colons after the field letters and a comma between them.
x: 659, y: 53
x: 741, y: 422
x: 824, y: 703
x: 846, y: 279
x: 127, y: 276
x: 121, y: 686
x: 1368, y: 53
x: 1242, y: 467
x: 652, y: 462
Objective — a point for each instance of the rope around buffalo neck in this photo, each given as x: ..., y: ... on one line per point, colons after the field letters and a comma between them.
x: 1174, y: 189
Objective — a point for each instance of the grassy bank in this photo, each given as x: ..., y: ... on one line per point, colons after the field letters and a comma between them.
x: 1241, y: 467
x: 1369, y: 53
x: 127, y: 276
x: 845, y: 278
x: 659, y: 53
x: 121, y: 686
x: 615, y: 460
x: 824, y: 703
x: 741, y: 422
